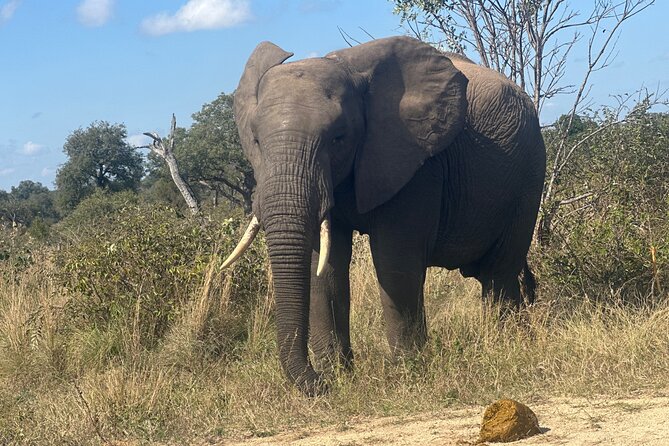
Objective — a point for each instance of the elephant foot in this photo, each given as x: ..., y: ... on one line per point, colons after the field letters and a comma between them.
x: 407, y: 335
x: 334, y: 361
x: 312, y: 384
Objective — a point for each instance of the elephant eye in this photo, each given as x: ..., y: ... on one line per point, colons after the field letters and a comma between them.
x: 338, y: 139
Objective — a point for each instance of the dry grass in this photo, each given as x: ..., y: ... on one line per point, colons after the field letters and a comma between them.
x: 216, y: 374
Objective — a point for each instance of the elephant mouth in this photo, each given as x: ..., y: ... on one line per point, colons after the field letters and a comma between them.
x: 252, y: 231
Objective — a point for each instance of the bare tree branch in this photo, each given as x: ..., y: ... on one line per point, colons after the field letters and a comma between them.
x: 368, y: 34
x: 167, y: 154
x: 595, y: 57
x: 576, y: 198
x: 346, y: 36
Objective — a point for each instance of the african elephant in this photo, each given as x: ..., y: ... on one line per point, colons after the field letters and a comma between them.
x: 439, y: 160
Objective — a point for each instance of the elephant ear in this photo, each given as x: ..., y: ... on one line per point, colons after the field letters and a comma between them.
x: 415, y: 103
x: 265, y: 56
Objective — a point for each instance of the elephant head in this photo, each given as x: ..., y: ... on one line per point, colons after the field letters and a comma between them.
x: 375, y: 112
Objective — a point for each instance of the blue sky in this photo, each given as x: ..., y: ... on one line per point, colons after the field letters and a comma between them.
x: 70, y: 63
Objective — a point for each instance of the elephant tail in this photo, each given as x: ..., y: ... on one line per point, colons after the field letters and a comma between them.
x: 528, y: 285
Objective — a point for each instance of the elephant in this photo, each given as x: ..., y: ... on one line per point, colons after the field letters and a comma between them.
x: 439, y: 160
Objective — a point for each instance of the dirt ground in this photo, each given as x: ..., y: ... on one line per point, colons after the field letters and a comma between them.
x: 634, y: 421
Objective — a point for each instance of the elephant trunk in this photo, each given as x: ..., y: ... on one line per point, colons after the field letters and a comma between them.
x: 291, y: 220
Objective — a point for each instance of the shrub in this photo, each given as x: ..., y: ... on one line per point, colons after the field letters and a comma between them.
x: 100, y: 209
x: 134, y: 270
x: 614, y: 243
x: 16, y: 249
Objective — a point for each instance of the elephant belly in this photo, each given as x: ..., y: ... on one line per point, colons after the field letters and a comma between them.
x: 480, y: 204
x: 464, y: 247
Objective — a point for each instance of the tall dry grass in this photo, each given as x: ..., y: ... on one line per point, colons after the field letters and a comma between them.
x: 216, y: 373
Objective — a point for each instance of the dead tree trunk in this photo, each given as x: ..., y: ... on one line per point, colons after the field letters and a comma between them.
x: 167, y: 153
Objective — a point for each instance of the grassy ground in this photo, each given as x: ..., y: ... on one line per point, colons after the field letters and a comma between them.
x: 216, y: 373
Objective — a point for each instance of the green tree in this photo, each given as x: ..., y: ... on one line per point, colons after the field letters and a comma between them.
x: 27, y: 202
x: 98, y: 158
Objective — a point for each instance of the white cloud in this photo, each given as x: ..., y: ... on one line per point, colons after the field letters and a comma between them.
x: 7, y: 171
x: 48, y: 171
x: 138, y: 140
x: 95, y: 12
x: 197, y: 15
x: 8, y: 9
x: 31, y: 148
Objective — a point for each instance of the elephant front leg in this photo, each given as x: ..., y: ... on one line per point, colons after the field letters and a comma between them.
x: 329, y: 312
x: 401, y: 275
x: 403, y: 309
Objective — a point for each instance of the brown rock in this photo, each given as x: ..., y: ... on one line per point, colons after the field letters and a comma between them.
x: 508, y: 420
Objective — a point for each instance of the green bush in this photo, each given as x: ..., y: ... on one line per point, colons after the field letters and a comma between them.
x: 100, y: 209
x: 17, y: 250
x: 614, y: 243
x: 135, y: 269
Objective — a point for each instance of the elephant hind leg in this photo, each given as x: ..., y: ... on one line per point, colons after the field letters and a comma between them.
x: 502, y: 290
x: 499, y: 275
x: 511, y: 291
x: 504, y: 273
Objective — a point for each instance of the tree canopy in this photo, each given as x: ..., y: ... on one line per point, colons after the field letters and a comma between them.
x: 98, y: 158
x: 26, y: 202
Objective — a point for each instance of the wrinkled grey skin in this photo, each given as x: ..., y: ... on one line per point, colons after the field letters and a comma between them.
x: 439, y: 160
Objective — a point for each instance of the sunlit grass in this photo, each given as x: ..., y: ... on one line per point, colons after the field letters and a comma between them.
x: 216, y: 373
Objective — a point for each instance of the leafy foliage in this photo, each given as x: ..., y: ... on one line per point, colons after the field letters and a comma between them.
x: 136, y: 268
x: 140, y: 261
x: 17, y: 252
x: 98, y: 158
x: 100, y: 208
x: 26, y: 202
x: 614, y: 240
x: 26, y: 214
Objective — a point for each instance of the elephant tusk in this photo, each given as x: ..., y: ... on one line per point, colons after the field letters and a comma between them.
x: 325, y: 246
x: 244, y: 243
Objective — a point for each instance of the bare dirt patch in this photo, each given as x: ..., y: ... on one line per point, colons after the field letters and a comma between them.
x: 631, y: 421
